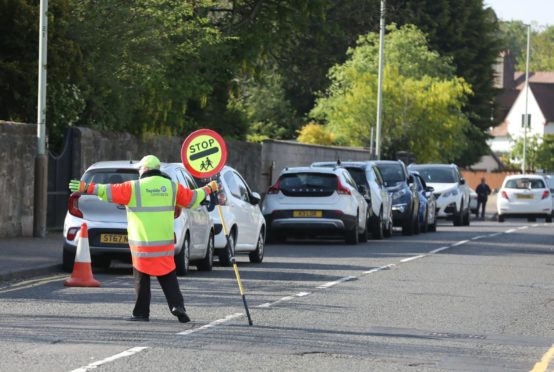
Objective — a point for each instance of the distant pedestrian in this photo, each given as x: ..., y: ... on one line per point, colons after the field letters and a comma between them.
x: 483, y: 191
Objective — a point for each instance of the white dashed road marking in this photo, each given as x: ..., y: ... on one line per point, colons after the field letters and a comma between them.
x: 126, y: 353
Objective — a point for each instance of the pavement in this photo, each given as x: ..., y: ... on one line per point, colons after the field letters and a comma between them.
x: 22, y: 258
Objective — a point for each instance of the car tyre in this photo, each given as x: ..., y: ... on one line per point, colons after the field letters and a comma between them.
x: 351, y: 236
x: 500, y: 218
x: 257, y: 256
x: 68, y: 260
x: 416, y: 224
x: 388, y: 230
x: 548, y: 219
x: 207, y: 263
x: 459, y: 217
x: 226, y: 255
x: 182, y: 260
x: 424, y: 227
x: 466, y: 219
x: 378, y: 227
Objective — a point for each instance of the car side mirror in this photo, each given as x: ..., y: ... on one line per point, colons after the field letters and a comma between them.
x: 462, y: 181
x: 429, y: 189
x: 410, y: 179
x: 255, y: 198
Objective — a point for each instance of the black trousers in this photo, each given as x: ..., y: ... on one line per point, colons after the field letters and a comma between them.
x: 170, y: 287
x: 481, y: 204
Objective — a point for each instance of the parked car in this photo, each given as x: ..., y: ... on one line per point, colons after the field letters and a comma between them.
x: 243, y: 219
x: 107, y: 222
x: 524, y: 196
x: 371, y: 185
x: 427, y: 204
x: 451, y: 191
x: 473, y: 201
x: 401, y: 188
x: 550, y: 182
x: 316, y: 200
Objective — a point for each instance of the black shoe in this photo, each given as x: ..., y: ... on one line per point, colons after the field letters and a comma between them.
x: 138, y: 318
x: 181, y: 314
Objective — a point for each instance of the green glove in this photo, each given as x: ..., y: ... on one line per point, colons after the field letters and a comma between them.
x: 77, y: 186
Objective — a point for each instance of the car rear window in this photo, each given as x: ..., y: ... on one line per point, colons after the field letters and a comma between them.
x: 525, y: 183
x: 308, y: 184
x: 358, y: 174
x: 392, y: 173
x: 437, y: 175
x: 111, y: 175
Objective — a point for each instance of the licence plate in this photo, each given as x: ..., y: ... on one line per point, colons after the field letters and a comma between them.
x: 524, y: 196
x: 113, y: 239
x: 307, y: 214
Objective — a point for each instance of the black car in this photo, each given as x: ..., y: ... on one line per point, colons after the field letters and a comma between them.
x: 405, y: 201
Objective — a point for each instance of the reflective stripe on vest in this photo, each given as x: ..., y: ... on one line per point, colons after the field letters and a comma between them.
x: 152, y: 254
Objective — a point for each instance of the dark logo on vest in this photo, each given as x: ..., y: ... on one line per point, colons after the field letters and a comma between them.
x: 162, y: 191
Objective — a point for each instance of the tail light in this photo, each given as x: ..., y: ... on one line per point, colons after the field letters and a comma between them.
x: 73, y: 205
x: 504, y: 195
x: 274, y: 189
x: 341, y: 190
x: 72, y: 232
x: 177, y: 212
x: 545, y: 194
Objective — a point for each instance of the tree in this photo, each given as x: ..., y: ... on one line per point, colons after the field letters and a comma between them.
x: 467, y: 32
x: 514, y: 38
x: 545, y: 153
x: 315, y: 134
x: 423, y: 98
x: 531, y: 151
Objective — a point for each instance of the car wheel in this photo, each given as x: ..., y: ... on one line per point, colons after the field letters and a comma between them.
x: 388, y: 230
x: 378, y: 227
x: 548, y: 219
x: 258, y: 255
x: 424, y: 226
x: 531, y: 219
x: 459, y: 216
x: 207, y: 262
x: 227, y: 254
x: 408, y: 227
x: 466, y: 218
x: 500, y: 218
x: 416, y: 224
x: 182, y: 260
x: 68, y: 260
x: 351, y: 236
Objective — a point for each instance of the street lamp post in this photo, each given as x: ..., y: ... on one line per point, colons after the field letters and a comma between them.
x: 526, y: 119
x: 380, y: 81
x: 41, y: 160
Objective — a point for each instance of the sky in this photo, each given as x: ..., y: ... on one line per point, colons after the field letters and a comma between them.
x: 528, y: 11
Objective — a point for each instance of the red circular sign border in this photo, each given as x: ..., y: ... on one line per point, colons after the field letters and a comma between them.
x: 222, y: 145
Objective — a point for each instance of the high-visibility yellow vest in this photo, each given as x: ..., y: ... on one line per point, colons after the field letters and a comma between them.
x: 150, y: 214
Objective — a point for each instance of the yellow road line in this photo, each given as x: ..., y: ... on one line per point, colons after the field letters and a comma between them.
x: 543, y: 364
x: 32, y: 283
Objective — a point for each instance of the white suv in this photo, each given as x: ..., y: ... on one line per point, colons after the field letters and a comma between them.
x: 243, y: 219
x: 316, y: 200
x: 107, y: 222
x: 451, y: 191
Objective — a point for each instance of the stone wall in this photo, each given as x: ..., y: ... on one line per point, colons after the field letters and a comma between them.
x: 18, y: 147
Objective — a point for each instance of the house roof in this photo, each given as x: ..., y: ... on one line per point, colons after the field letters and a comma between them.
x: 534, y: 77
x: 544, y: 93
x: 500, y: 130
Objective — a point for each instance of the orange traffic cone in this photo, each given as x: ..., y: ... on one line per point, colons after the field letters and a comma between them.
x: 82, y: 269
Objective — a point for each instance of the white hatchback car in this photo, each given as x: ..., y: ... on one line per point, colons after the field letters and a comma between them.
x: 316, y: 200
x: 451, y: 191
x: 524, y: 196
x: 244, y: 221
x: 107, y: 222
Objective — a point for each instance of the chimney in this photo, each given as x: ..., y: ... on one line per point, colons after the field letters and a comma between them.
x: 504, y: 71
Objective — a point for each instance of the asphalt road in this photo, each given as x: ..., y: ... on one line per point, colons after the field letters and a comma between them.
x: 476, y: 298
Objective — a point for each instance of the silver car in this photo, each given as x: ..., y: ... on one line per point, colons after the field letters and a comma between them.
x: 107, y: 222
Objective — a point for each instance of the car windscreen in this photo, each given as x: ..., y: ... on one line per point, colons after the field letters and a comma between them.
x: 308, y: 184
x: 437, y: 175
x: 111, y: 175
x: 392, y: 173
x: 358, y: 174
x: 525, y: 183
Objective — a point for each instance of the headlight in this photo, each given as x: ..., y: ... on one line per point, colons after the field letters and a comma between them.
x: 452, y: 192
x: 398, y: 194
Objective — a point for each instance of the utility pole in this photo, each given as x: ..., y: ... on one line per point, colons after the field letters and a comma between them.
x: 380, y: 80
x: 41, y: 160
x: 526, y: 119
